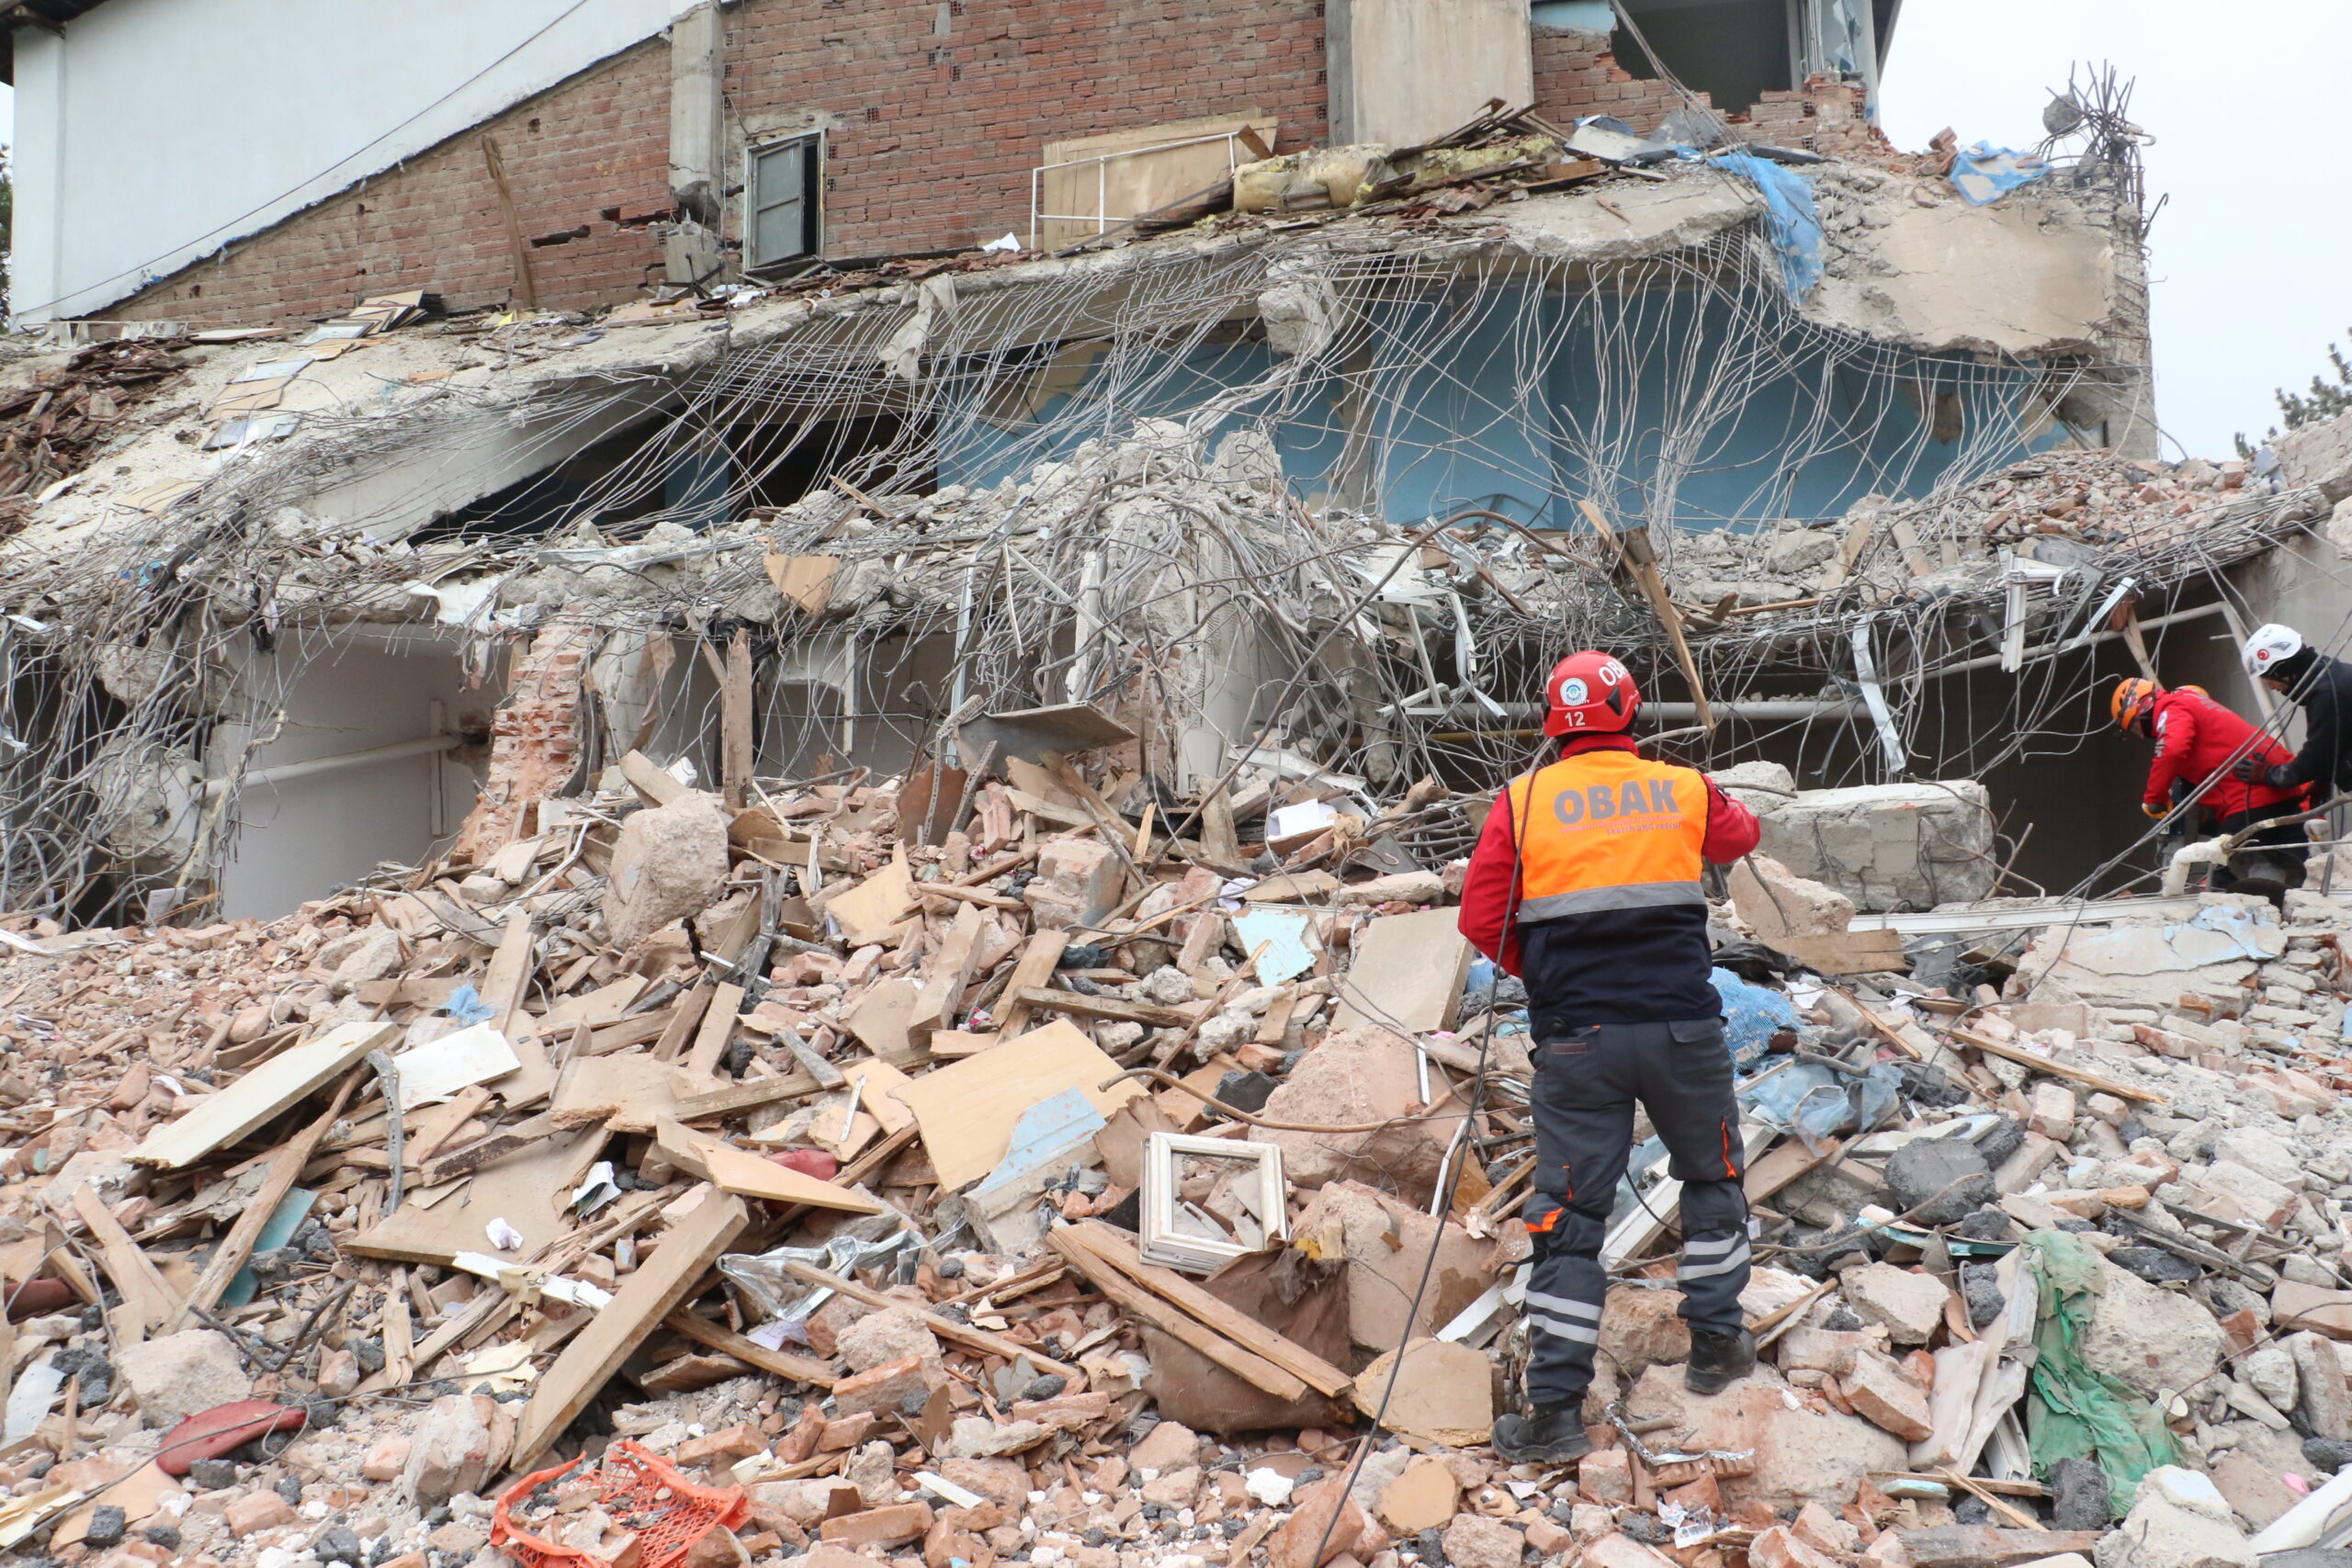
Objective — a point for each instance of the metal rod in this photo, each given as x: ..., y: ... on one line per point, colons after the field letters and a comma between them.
x: 286, y: 773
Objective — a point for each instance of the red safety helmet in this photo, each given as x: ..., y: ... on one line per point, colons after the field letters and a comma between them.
x: 1589, y: 694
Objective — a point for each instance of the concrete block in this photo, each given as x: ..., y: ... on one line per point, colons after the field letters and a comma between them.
x: 1902, y: 846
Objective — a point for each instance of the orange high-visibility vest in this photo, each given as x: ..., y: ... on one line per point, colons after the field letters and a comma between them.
x: 1608, y: 831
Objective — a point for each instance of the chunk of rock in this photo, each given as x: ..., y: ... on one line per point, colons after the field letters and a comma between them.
x: 458, y: 1445
x: 1474, y: 1541
x: 1910, y: 1306
x: 2179, y: 1520
x: 1939, y: 1181
x: 1775, y: 902
x: 176, y: 1376
x: 2146, y: 1338
x: 670, y: 862
x: 890, y: 1335
x: 1357, y: 1077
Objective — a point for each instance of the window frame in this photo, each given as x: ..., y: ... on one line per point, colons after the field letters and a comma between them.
x: 812, y: 224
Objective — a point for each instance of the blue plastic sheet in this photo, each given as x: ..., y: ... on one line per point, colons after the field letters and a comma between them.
x: 1790, y: 221
x: 1985, y: 172
x: 1751, y: 1014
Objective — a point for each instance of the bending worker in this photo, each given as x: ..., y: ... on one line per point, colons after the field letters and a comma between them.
x: 1585, y: 884
x: 2201, y: 747
x: 2322, y: 687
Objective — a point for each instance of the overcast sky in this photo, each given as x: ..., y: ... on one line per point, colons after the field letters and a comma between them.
x: 2248, y: 254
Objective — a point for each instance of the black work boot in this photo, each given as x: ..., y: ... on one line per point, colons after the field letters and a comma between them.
x: 1551, y: 1434
x: 1717, y: 1359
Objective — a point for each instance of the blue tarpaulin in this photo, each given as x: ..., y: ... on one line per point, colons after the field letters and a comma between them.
x: 1985, y: 172
x: 1789, y: 217
x: 1751, y: 1014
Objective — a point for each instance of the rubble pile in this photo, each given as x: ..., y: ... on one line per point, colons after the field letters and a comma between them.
x: 58, y: 411
x: 681, y: 1182
x: 2064, y: 508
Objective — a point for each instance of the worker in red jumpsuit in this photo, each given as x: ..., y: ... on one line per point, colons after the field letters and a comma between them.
x: 1586, y: 884
x: 2200, y: 746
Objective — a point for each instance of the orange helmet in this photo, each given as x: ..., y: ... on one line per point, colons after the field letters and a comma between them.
x: 2134, y: 700
x: 1589, y: 694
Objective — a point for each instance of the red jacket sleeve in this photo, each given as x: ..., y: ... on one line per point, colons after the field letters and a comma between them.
x: 2176, y: 727
x: 1732, y: 829
x: 1487, y: 889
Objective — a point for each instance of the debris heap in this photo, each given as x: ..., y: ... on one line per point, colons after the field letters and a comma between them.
x: 680, y: 1180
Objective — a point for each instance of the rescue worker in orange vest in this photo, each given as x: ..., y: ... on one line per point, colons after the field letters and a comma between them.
x: 1586, y: 884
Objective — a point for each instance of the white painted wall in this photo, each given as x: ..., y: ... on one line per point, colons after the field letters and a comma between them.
x: 303, y: 839
x: 154, y: 132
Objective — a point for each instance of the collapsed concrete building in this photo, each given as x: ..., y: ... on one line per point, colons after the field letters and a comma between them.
x: 1310, y: 475
x: 1096, y: 533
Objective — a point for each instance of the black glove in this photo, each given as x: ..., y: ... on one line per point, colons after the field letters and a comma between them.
x: 2250, y: 770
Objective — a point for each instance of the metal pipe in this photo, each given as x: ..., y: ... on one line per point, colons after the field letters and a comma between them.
x: 286, y: 773
x: 2216, y: 608
x: 1746, y: 707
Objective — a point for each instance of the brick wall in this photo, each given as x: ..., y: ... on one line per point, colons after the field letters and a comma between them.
x: 1576, y: 74
x: 933, y: 134
x: 931, y: 138
x: 598, y: 141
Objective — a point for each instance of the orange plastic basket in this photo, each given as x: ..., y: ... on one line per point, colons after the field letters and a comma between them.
x: 643, y: 1493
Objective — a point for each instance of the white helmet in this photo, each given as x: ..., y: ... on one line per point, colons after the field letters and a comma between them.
x: 2267, y: 646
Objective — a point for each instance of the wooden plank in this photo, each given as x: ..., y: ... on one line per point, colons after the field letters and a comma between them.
x: 967, y: 1110
x: 596, y: 1008
x: 1107, y: 1010
x: 1781, y: 1165
x: 748, y: 1175
x: 1034, y: 967
x: 142, y: 1288
x: 1406, y: 973
x: 1633, y: 549
x: 949, y: 972
x: 509, y: 975
x: 656, y: 785
x: 643, y: 1030
x: 750, y: 1095
x: 1138, y: 1302
x: 646, y: 1297
x: 489, y: 1148
x: 946, y: 1327
x: 528, y: 1189
x: 1849, y: 952
x: 2056, y: 1069
x: 684, y: 1020
x: 1115, y: 1251
x: 628, y: 1094
x: 735, y: 724
x: 750, y: 1352
x: 717, y: 1029
x: 876, y: 909
x: 285, y: 1168
x: 275, y: 1087
x: 1989, y: 1546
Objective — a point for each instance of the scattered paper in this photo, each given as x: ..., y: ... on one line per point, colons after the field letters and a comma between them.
x: 503, y: 1236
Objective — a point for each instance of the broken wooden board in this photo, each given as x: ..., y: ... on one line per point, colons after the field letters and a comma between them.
x: 876, y: 909
x: 656, y: 1288
x: 880, y: 1094
x: 967, y: 1110
x: 528, y: 1189
x: 1849, y: 952
x: 267, y: 1091
x: 750, y: 1352
x: 882, y: 1019
x: 630, y: 1093
x: 748, y: 1175
x: 1406, y: 972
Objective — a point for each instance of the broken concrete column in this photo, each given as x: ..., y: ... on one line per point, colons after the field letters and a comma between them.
x: 1899, y: 846
x: 1775, y: 902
